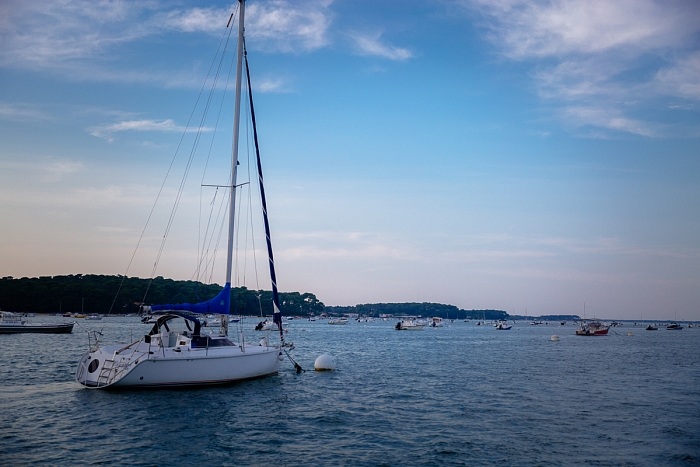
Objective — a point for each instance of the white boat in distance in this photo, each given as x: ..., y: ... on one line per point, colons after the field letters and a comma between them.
x: 173, y: 354
x: 409, y: 325
x: 338, y: 321
x: 437, y: 322
x: 503, y: 325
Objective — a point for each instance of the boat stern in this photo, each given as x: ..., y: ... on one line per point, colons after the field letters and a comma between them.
x: 97, y: 368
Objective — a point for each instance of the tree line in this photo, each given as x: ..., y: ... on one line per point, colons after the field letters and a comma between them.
x: 417, y: 309
x: 125, y: 295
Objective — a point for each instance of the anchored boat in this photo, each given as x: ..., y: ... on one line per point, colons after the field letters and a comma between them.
x: 176, y: 351
x: 14, y: 323
x: 592, y: 328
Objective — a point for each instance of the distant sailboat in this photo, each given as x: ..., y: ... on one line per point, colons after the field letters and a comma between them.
x: 592, y: 328
x: 176, y: 352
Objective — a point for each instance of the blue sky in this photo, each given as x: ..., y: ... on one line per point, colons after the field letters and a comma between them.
x: 524, y: 156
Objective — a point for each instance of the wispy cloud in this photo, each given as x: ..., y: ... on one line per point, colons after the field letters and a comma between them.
x: 360, y: 246
x: 274, y: 25
x: 276, y: 85
x: 25, y: 112
x: 594, y: 57
x: 562, y: 27
x: 57, y: 170
x: 609, y: 117
x: 38, y: 35
x: 289, y: 26
x: 681, y: 78
x: 43, y: 169
x: 372, y: 44
x: 64, y: 35
x: 168, y: 125
x: 196, y: 19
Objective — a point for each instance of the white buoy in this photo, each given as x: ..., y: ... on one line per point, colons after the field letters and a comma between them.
x: 324, y: 363
x: 629, y: 333
x: 554, y: 338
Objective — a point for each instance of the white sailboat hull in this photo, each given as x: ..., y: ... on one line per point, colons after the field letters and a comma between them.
x: 150, y: 366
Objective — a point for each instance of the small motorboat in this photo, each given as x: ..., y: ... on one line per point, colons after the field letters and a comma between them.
x: 268, y: 325
x: 409, y: 325
x: 12, y: 323
x: 265, y: 325
x: 437, y: 322
x: 652, y: 328
x: 674, y: 327
x: 503, y: 326
x: 338, y: 321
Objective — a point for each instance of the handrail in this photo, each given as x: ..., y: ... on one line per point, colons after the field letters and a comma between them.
x: 117, y: 368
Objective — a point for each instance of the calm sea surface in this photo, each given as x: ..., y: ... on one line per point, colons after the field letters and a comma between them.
x: 458, y: 395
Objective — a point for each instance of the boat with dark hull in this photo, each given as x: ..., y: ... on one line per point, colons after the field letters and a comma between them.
x: 13, y: 323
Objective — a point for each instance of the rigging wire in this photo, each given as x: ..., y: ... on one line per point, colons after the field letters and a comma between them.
x: 250, y: 203
x: 149, y: 217
x: 223, y: 42
x: 202, y: 239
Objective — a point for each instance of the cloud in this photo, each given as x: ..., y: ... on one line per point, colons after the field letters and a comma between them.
x: 65, y: 36
x: 196, y: 19
x: 168, y: 125
x: 681, y: 78
x: 601, y: 62
x: 610, y: 118
x: 289, y: 26
x: 276, y: 85
x: 45, y: 169
x: 275, y: 25
x: 371, y: 44
x: 25, y: 112
x: 57, y: 170
x: 562, y: 27
x: 47, y: 35
x: 362, y: 246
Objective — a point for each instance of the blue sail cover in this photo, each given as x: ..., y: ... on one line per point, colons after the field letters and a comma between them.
x: 219, y: 305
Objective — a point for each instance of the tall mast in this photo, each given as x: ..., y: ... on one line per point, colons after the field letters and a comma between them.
x: 234, y: 155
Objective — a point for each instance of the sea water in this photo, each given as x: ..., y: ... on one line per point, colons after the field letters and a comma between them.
x: 460, y: 394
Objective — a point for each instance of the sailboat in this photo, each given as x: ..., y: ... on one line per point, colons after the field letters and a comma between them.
x: 592, y: 327
x: 176, y: 351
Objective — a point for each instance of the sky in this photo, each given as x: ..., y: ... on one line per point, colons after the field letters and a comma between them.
x: 536, y: 157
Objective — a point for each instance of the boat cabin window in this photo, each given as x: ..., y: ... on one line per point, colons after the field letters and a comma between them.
x: 207, y: 341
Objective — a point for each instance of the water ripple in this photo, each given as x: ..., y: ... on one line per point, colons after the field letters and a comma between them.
x: 460, y: 395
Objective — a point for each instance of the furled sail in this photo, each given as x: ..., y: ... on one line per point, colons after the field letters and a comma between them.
x: 276, y: 315
x: 219, y: 305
